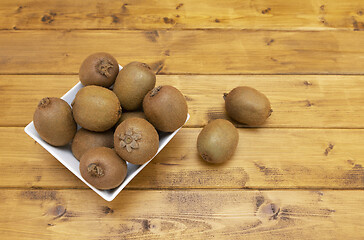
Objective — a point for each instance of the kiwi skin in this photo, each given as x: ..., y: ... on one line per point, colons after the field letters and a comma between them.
x: 132, y: 84
x: 99, y: 69
x: 85, y: 140
x: 96, y: 108
x: 247, y: 105
x: 126, y: 115
x: 103, y: 168
x: 166, y: 108
x: 54, y: 122
x: 217, y: 141
x: 136, y: 140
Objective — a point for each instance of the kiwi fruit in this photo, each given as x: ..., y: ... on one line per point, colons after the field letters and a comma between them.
x: 247, y: 105
x: 103, y: 168
x: 85, y: 140
x: 99, y: 69
x: 217, y: 141
x: 166, y: 108
x: 96, y: 108
x: 132, y: 83
x: 136, y: 140
x: 54, y: 122
x: 126, y: 115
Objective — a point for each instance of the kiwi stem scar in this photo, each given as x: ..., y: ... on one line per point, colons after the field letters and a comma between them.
x: 103, y: 67
x: 206, y: 157
x: 44, y: 102
x: 146, y: 65
x: 225, y: 95
x: 155, y: 91
x: 95, y: 170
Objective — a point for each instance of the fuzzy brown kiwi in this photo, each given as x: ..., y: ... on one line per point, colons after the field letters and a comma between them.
x: 99, y: 69
x: 96, y: 108
x: 132, y: 84
x: 247, y: 105
x: 103, y: 168
x: 136, y: 140
x: 85, y: 140
x: 126, y: 115
x: 217, y: 141
x: 54, y: 122
x: 166, y: 108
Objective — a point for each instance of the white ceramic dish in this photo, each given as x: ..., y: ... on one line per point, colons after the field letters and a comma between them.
x: 65, y: 156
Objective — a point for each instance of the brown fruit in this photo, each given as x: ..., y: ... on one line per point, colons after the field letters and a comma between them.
x: 132, y: 84
x: 96, y: 108
x: 54, y: 122
x: 136, y: 140
x: 99, y: 69
x: 127, y: 115
x: 103, y: 168
x: 217, y: 141
x: 247, y: 105
x: 166, y: 108
x: 85, y: 140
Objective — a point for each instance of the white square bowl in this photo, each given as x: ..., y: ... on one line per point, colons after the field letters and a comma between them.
x: 65, y: 156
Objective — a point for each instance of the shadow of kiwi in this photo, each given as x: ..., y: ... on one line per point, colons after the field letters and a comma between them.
x: 209, y: 164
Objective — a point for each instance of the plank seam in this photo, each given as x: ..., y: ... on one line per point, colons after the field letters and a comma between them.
x: 199, y: 74
x: 184, y: 29
x: 192, y: 189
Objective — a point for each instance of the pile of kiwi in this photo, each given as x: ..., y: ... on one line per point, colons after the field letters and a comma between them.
x: 118, y: 115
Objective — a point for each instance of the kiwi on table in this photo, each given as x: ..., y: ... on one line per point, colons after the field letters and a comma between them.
x: 103, y: 168
x: 132, y: 83
x: 54, y: 122
x: 136, y: 140
x: 96, y: 108
x: 85, y: 140
x: 217, y: 141
x: 247, y: 105
x: 166, y: 108
x: 126, y: 115
x: 99, y: 69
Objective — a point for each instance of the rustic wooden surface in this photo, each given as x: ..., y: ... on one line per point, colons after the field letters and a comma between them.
x: 199, y: 51
x: 299, y: 176
x: 181, y: 214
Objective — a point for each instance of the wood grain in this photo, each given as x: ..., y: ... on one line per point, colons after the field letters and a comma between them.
x: 191, y: 214
x: 187, y: 14
x: 299, y: 176
x: 297, y: 101
x: 265, y: 158
x: 190, y: 51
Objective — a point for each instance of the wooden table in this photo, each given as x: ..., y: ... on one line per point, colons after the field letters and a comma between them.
x: 299, y: 176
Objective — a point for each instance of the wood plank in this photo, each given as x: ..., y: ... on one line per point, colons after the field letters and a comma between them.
x: 187, y: 14
x: 297, y: 101
x: 192, y: 51
x: 195, y: 214
x: 265, y: 158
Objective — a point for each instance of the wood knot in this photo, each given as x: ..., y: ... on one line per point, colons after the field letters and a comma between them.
x: 268, y: 212
x: 267, y: 10
x: 179, y: 6
x: 328, y: 149
x: 48, y: 18
x: 169, y: 20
